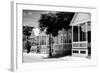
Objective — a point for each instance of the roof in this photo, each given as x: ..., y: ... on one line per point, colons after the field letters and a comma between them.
x: 80, y: 17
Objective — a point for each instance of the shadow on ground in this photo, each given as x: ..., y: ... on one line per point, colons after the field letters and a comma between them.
x: 55, y: 56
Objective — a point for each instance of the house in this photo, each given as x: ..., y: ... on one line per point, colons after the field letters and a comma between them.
x: 61, y: 43
x: 81, y: 34
x: 76, y: 41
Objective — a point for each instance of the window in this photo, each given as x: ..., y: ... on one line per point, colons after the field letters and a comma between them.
x: 61, y: 39
x: 57, y: 40
x: 69, y: 38
x: 40, y: 40
x: 43, y: 40
x: 64, y: 39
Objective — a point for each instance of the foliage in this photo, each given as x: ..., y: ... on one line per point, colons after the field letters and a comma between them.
x: 54, y: 22
x: 27, y: 30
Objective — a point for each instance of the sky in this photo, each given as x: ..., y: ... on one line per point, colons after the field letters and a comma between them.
x: 31, y: 17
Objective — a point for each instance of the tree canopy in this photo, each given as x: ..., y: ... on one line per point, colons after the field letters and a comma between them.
x: 54, y: 22
x: 27, y: 30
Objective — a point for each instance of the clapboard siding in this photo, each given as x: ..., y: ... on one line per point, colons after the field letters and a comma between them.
x: 64, y: 49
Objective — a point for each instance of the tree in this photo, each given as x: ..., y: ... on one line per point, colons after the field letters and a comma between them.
x: 64, y: 19
x: 27, y: 30
x: 48, y: 22
x: 53, y: 23
x: 26, y: 33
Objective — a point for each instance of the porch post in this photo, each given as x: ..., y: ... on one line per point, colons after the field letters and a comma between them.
x: 72, y: 39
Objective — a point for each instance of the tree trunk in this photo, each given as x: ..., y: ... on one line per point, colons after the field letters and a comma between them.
x: 50, y: 45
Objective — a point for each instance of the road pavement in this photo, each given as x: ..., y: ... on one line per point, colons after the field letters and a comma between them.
x: 35, y: 57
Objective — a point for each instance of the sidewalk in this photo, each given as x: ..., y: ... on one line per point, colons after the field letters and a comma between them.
x: 36, y: 57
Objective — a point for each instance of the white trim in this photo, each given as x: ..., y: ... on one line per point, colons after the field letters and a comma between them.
x: 54, y: 5
x: 78, y: 23
x: 14, y: 37
x: 80, y: 42
x: 80, y: 54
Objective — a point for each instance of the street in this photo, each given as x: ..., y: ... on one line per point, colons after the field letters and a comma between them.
x: 35, y: 57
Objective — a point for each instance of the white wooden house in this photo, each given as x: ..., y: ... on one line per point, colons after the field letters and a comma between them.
x: 81, y: 34
x: 62, y: 43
